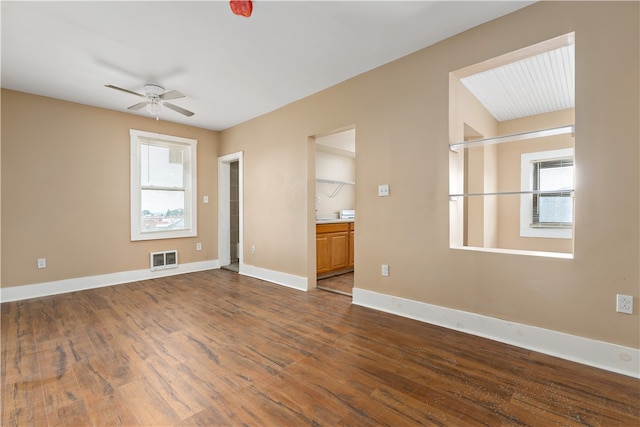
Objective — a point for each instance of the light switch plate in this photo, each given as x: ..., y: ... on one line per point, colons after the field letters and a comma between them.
x: 383, y: 190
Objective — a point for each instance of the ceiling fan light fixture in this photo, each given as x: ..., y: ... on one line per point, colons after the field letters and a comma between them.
x: 154, y: 108
x: 156, y: 98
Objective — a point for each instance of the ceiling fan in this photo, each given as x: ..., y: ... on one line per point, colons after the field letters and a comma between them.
x: 156, y: 97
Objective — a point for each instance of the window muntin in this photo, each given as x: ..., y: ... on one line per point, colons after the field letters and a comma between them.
x: 163, y: 186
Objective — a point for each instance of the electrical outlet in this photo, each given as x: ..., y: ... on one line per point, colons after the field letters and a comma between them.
x: 198, y: 246
x: 42, y: 263
x: 624, y: 304
x: 253, y: 249
x: 385, y: 270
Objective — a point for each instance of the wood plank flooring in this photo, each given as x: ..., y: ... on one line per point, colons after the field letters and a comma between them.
x: 219, y: 349
x: 342, y: 284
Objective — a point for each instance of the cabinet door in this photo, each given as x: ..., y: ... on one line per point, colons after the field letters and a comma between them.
x: 339, y: 250
x: 323, y: 253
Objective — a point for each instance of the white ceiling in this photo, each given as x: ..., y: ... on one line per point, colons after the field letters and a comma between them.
x: 230, y: 68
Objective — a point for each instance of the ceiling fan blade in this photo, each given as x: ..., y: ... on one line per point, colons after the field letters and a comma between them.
x: 138, y: 106
x: 123, y: 90
x: 173, y: 94
x: 178, y: 109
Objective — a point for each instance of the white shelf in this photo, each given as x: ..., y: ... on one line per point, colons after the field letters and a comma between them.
x: 340, y: 184
x: 334, y: 181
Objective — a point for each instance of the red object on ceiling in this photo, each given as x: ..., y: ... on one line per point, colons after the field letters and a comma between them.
x: 241, y: 7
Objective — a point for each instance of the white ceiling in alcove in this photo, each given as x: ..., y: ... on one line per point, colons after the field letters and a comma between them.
x: 534, y: 85
x: 343, y: 143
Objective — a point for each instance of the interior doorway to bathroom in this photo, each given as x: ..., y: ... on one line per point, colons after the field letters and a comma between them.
x: 234, y: 218
x: 230, y: 211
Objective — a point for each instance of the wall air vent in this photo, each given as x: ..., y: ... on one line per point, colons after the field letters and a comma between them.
x: 163, y: 260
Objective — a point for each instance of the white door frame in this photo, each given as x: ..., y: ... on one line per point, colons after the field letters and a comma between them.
x: 224, y: 210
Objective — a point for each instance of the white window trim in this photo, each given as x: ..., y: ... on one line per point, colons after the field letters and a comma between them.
x: 526, y: 184
x: 138, y: 136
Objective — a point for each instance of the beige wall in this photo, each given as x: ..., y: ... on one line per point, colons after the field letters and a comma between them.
x: 401, y: 115
x: 278, y: 190
x: 65, y: 191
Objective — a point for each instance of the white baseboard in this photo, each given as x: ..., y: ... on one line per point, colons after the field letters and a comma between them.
x: 277, y: 277
x: 16, y: 293
x: 599, y: 354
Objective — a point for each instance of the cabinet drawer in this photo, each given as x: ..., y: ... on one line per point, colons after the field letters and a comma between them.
x: 332, y: 228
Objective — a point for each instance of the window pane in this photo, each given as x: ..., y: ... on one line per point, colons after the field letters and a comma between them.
x: 162, y: 210
x: 556, y: 209
x: 556, y: 178
x: 162, y: 166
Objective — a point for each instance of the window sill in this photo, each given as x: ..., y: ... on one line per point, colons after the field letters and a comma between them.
x: 161, y: 235
x: 547, y: 232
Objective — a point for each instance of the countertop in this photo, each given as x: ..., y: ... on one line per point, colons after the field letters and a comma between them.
x: 333, y: 221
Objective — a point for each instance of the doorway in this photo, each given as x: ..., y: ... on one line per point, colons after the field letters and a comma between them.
x: 335, y: 211
x: 230, y: 211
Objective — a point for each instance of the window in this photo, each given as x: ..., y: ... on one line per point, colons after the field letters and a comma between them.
x: 552, y: 205
x: 548, y: 212
x: 163, y: 186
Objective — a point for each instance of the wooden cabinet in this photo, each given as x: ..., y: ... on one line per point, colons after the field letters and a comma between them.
x: 323, y: 253
x: 334, y: 247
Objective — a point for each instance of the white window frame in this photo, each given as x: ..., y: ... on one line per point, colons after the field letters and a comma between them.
x: 526, y: 200
x: 138, y: 138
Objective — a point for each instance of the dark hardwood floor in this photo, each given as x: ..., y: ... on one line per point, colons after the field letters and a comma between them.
x: 217, y: 348
x: 342, y: 284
